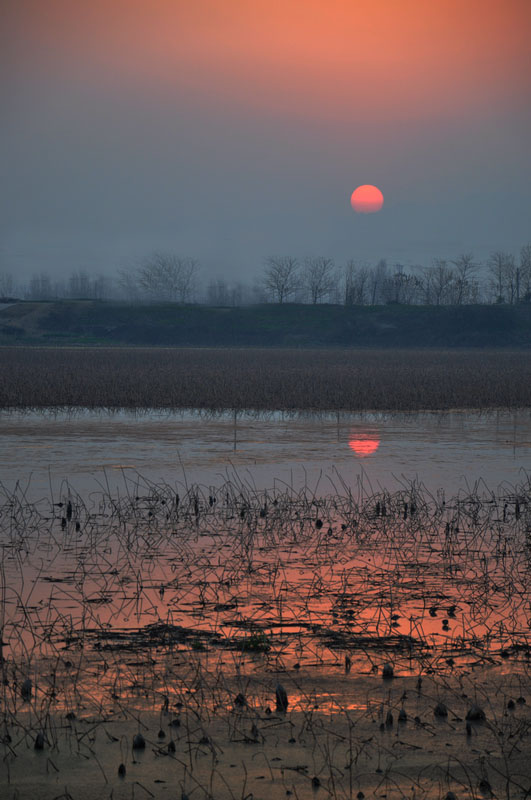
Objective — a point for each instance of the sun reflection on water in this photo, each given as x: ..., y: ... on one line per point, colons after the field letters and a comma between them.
x: 364, y: 443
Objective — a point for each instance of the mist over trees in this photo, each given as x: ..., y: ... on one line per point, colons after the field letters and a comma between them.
x: 161, y: 277
x: 167, y: 277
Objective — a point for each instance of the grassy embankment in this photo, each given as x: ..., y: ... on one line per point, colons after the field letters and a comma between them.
x: 289, y: 325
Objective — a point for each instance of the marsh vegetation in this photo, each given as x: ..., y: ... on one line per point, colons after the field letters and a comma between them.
x: 235, y: 642
x: 225, y: 640
x: 319, y: 380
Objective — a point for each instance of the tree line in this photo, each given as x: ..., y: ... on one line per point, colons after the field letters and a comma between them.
x: 167, y: 277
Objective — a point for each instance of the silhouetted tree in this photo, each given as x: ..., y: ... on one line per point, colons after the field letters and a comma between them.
x: 503, y: 277
x: 218, y: 293
x: 281, y: 277
x: 80, y: 284
x: 437, y: 282
x: 238, y: 293
x: 401, y: 286
x: 128, y: 285
x: 40, y: 287
x: 165, y: 276
x: 377, y: 279
x: 512, y: 279
x: 356, y: 283
x: 464, y: 288
x: 7, y: 285
x: 318, y: 277
x: 102, y: 287
x: 525, y: 274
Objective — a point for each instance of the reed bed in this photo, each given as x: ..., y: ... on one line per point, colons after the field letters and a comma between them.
x: 319, y: 380
x: 224, y: 641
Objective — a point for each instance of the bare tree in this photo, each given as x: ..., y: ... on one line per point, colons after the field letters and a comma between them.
x: 512, y: 279
x: 218, y: 293
x: 40, y: 287
x: 356, y: 283
x: 377, y: 280
x: 238, y: 293
x: 503, y: 277
x: 164, y: 276
x: 401, y: 286
x: 350, y: 277
x: 102, y: 287
x: 515, y: 278
x: 464, y: 285
x: 318, y: 277
x: 437, y: 282
x: 128, y: 284
x: 524, y: 292
x: 411, y: 287
x: 281, y: 277
x: 80, y: 285
x: 7, y: 285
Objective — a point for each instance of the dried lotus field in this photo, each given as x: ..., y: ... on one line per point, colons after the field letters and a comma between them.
x: 264, y: 379
x: 225, y: 642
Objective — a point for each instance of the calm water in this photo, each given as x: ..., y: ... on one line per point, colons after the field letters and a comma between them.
x: 446, y: 451
x: 167, y: 603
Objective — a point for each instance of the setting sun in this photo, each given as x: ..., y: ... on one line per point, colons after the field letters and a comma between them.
x: 367, y: 199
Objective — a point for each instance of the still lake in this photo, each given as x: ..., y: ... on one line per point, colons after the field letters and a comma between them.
x: 185, y: 612
x: 447, y: 451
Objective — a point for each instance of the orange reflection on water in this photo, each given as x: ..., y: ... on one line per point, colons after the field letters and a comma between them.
x: 364, y: 443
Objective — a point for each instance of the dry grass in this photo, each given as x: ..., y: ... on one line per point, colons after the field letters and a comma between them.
x: 183, y: 614
x: 320, y: 380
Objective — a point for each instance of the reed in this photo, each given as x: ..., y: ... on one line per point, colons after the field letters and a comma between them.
x: 287, y: 380
x: 251, y: 638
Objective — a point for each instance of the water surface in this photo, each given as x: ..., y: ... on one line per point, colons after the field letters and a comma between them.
x: 446, y: 451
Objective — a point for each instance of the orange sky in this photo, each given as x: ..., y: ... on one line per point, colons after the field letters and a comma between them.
x: 229, y: 129
x: 351, y: 59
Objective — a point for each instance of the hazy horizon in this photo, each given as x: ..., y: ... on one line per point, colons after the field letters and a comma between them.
x: 230, y: 132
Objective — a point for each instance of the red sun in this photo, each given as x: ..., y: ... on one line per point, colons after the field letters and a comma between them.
x: 363, y: 445
x: 367, y: 199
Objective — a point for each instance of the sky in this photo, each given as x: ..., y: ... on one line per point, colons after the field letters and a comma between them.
x: 230, y: 130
